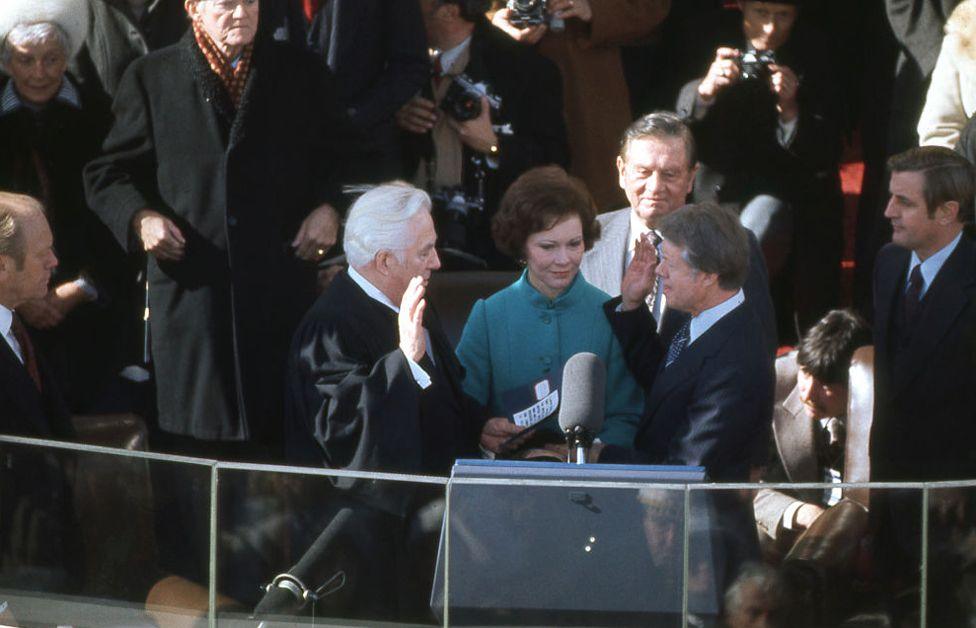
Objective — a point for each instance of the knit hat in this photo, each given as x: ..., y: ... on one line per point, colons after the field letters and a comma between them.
x: 70, y: 15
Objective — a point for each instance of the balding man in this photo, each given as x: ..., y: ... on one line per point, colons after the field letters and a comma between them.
x: 30, y: 401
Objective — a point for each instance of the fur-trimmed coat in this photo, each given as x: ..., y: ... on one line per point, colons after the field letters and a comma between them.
x: 951, y: 99
x: 238, y: 184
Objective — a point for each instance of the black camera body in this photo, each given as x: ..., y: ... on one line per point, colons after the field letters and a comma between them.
x: 527, y: 12
x: 454, y: 214
x: 754, y: 64
x: 463, y: 99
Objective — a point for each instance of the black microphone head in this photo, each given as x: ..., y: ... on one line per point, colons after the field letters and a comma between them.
x: 584, y: 383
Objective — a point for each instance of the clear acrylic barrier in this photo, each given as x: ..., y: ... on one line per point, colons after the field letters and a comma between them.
x: 91, y: 536
x: 363, y: 544
x: 101, y: 537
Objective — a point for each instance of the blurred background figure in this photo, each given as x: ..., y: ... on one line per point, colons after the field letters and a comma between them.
x: 759, y: 598
x: 583, y: 39
x: 49, y: 128
x: 377, y: 50
x: 951, y: 97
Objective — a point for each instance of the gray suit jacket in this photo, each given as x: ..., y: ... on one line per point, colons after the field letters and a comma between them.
x: 603, y: 266
x: 795, y: 456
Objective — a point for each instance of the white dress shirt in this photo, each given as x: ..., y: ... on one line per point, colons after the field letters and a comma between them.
x: 701, y: 323
x: 6, y: 330
x: 931, y: 266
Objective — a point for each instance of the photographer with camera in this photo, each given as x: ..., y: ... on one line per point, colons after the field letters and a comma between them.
x: 492, y: 110
x: 767, y: 120
x: 583, y: 38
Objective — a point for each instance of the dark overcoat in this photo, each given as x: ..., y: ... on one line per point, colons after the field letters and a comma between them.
x: 238, y: 184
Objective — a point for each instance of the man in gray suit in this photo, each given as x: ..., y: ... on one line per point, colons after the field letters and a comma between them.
x: 809, y: 429
x: 657, y: 166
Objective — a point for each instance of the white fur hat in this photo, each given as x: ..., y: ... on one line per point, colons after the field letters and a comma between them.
x: 70, y: 15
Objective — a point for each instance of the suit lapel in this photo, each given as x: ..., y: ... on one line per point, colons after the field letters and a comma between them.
x: 604, y: 264
x: 23, y: 393
x: 944, y: 302
x: 888, y: 283
x: 793, y: 432
x: 688, y: 364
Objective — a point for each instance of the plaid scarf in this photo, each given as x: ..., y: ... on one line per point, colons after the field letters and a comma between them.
x: 232, y: 78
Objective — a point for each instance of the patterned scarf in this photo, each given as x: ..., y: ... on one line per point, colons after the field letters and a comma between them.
x: 233, y: 78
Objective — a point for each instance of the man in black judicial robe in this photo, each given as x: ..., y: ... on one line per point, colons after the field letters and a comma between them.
x: 373, y: 385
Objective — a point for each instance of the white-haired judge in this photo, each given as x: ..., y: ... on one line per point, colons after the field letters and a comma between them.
x: 49, y: 128
x: 373, y: 383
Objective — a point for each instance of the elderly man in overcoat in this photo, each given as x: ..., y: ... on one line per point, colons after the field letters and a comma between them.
x: 220, y: 165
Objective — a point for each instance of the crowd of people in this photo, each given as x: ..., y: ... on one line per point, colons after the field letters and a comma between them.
x: 223, y: 215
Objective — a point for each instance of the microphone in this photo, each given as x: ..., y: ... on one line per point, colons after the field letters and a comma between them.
x: 581, y: 407
x: 313, y: 577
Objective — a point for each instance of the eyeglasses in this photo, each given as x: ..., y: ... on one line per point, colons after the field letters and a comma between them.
x: 231, y: 5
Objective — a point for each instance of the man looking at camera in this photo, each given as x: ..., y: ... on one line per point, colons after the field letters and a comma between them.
x: 482, y: 155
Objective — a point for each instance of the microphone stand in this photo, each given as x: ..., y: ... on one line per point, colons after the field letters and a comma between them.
x: 580, y: 439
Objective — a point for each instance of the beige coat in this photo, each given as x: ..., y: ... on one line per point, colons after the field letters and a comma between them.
x: 951, y: 99
x: 597, y: 101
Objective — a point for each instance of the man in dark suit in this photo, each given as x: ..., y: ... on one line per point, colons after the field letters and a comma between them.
x: 35, y: 516
x: 710, y: 383
x: 925, y: 352
x: 657, y: 169
x: 925, y: 323
x: 483, y: 155
x: 30, y: 401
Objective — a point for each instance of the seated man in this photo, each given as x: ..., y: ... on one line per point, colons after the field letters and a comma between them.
x: 373, y: 383
x: 809, y: 431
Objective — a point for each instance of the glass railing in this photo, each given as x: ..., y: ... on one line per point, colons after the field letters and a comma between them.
x: 91, y: 536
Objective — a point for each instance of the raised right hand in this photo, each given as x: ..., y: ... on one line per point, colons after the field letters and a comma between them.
x: 159, y: 235
x: 639, y: 278
x: 410, y: 321
x: 723, y: 72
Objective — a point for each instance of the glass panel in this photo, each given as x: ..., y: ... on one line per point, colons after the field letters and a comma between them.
x: 951, y: 567
x: 365, y: 547
x: 572, y: 551
x: 842, y: 567
x: 99, y: 539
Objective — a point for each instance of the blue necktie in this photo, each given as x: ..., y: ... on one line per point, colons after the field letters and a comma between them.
x: 678, y: 344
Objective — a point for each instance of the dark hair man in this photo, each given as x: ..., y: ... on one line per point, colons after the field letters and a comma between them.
x: 925, y: 327
x: 472, y: 162
x: 809, y: 429
x: 656, y: 168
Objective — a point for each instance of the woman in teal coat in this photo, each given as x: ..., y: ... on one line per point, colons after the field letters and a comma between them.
x: 516, y: 342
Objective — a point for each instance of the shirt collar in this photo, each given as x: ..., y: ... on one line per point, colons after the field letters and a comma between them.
x: 637, y: 227
x: 6, y: 320
x: 372, y: 291
x: 449, y: 57
x: 932, y: 266
x: 701, y: 323
x: 11, y: 101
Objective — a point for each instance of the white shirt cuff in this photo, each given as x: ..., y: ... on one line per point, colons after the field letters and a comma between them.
x: 789, y: 515
x: 419, y: 374
x: 786, y: 132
